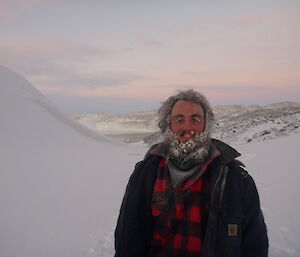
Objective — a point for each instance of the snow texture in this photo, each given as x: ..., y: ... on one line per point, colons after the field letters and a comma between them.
x: 61, y: 184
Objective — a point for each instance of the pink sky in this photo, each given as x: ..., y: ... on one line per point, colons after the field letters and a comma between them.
x: 142, y: 52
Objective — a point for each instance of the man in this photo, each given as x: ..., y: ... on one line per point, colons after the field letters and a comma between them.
x: 189, y: 197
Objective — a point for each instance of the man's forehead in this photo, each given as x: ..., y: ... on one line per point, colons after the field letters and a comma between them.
x: 182, y: 115
x: 187, y: 108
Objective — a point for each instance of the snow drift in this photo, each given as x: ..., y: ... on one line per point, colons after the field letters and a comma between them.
x: 60, y: 182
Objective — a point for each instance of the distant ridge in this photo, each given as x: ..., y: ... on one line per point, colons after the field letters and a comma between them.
x: 146, y: 121
x: 283, y: 105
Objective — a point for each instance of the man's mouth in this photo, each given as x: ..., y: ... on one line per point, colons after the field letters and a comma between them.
x: 185, y: 136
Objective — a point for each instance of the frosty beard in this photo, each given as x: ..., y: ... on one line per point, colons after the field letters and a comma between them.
x: 190, y: 152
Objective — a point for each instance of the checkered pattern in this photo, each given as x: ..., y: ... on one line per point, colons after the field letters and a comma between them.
x: 180, y: 214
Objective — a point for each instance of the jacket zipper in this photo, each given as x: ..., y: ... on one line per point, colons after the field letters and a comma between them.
x: 215, y: 209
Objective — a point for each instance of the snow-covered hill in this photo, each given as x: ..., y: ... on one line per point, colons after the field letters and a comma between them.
x: 259, y: 125
x: 61, y: 184
x: 234, y: 123
x: 106, y: 123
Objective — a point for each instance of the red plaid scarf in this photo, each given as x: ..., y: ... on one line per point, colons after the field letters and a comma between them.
x: 180, y: 214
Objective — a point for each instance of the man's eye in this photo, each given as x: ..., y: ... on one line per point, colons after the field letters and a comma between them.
x: 196, y: 120
x: 178, y: 120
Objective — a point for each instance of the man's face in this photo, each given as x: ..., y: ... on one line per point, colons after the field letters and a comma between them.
x: 186, y: 119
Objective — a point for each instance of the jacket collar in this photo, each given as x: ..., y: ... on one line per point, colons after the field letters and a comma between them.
x: 228, y: 153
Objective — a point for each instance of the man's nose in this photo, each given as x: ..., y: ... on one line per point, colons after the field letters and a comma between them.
x: 187, y: 125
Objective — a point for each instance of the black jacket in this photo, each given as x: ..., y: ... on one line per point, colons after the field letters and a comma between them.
x: 235, y: 228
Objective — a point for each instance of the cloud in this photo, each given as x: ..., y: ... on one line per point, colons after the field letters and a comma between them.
x: 51, y: 63
x: 27, y: 2
x: 69, y: 81
x: 7, y: 15
x: 50, y: 48
x: 231, y: 88
x: 41, y: 56
x: 274, y: 15
x: 152, y: 43
x: 249, y: 19
x: 77, y: 81
x: 11, y: 10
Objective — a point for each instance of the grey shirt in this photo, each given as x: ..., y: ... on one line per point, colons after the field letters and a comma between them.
x: 178, y: 175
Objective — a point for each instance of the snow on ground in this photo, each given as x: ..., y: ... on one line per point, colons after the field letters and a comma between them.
x: 275, y: 168
x: 61, y: 184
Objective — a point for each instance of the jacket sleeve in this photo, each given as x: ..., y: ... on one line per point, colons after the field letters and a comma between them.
x: 128, y: 237
x: 254, y: 237
x: 119, y: 238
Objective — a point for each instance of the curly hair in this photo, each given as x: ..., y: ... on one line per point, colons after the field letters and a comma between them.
x: 190, y: 95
